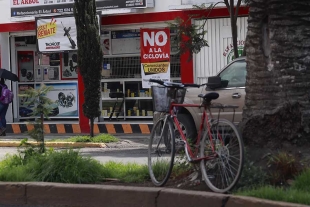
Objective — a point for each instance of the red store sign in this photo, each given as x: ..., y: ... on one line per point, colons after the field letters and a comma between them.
x: 155, y: 45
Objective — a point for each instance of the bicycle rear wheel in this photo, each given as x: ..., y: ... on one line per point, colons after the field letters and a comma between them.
x: 161, y: 151
x: 222, y: 173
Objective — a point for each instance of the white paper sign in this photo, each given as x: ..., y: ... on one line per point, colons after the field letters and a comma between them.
x: 56, y: 34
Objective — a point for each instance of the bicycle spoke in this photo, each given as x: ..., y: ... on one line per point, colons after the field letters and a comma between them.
x: 161, y: 152
x: 222, y: 173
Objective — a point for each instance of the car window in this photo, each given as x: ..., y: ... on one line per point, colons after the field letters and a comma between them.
x: 235, y: 74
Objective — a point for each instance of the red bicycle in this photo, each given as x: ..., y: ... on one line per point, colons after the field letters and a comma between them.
x: 218, y: 147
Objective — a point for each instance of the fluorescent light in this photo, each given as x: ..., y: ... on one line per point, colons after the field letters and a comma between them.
x: 22, y: 19
x: 119, y: 11
x: 180, y: 7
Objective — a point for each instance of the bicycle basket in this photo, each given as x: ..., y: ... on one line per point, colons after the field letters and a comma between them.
x: 162, y: 97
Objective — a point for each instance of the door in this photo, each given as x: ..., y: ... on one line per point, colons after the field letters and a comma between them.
x: 234, y: 92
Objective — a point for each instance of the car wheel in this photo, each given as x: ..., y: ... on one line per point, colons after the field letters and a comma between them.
x: 188, y: 127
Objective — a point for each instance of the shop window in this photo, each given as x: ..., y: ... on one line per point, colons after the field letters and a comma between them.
x: 30, y: 40
x: 130, y: 67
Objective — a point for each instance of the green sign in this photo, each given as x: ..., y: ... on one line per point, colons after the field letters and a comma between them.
x: 231, y: 54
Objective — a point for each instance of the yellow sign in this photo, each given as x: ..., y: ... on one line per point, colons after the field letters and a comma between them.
x: 155, y: 68
x: 46, y: 30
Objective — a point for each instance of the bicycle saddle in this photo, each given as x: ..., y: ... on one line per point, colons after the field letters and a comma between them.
x: 209, y: 96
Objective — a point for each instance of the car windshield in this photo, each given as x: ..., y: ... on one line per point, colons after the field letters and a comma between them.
x: 235, y: 74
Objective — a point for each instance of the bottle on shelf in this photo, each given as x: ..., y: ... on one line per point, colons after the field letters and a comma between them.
x: 129, y: 112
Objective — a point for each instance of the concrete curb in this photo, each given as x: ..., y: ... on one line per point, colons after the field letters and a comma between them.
x: 55, y: 144
x: 110, y: 128
x: 79, y: 195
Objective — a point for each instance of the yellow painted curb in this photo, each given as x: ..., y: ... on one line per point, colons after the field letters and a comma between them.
x: 55, y: 144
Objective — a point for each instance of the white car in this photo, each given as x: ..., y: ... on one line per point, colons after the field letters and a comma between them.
x: 233, y: 93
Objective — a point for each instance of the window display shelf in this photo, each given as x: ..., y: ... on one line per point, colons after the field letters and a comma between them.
x: 138, y: 98
x: 139, y: 117
x: 136, y: 103
x: 127, y: 98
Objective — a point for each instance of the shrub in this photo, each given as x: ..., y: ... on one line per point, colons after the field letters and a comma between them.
x: 252, y: 175
x: 41, y: 107
x: 13, y: 169
x: 68, y: 166
x: 283, y: 166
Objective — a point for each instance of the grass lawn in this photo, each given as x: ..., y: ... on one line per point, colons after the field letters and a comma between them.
x: 298, y: 192
x: 101, y: 138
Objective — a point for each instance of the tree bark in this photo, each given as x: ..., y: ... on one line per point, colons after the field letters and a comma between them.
x: 233, y: 23
x: 277, y: 104
x: 91, y: 127
x: 42, y: 134
x: 90, y: 56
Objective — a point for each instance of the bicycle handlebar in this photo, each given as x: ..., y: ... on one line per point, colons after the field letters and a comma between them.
x: 175, y: 85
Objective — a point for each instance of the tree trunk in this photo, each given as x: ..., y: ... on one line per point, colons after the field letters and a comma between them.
x: 90, y: 56
x: 91, y: 127
x: 234, y: 33
x: 42, y: 134
x: 277, y: 104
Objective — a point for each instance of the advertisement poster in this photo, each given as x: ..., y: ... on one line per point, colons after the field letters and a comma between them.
x: 105, y: 42
x: 56, y: 34
x: 125, y: 42
x: 155, y: 55
x: 70, y: 65
x: 65, y: 98
x: 24, y: 109
x: 21, y: 8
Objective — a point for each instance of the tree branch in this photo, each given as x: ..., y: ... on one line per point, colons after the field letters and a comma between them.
x: 237, y: 10
x: 231, y: 9
x: 227, y: 5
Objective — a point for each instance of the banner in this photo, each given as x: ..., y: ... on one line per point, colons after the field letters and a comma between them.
x: 155, y: 55
x: 63, y: 95
x: 65, y: 98
x: 56, y: 34
x: 21, y: 8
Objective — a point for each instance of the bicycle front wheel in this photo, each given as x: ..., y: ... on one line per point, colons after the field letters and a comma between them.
x: 222, y: 173
x: 161, y: 151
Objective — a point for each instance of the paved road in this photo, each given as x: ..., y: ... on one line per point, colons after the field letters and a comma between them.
x: 127, y: 150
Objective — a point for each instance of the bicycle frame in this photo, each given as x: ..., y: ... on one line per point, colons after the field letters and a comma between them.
x: 193, y: 156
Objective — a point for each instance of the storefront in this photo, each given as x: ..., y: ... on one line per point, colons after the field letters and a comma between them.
x: 121, y: 71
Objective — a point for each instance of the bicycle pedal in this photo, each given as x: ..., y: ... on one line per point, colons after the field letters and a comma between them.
x: 211, y: 176
x: 193, y: 176
x: 180, y: 143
